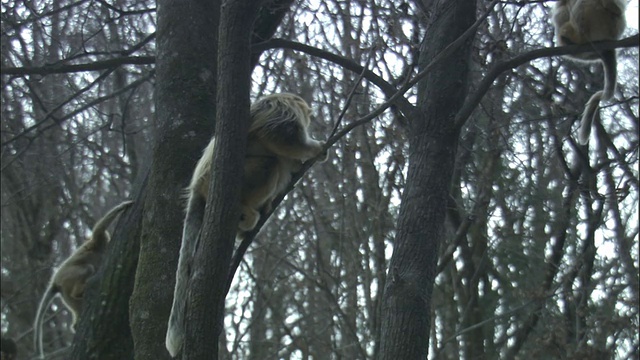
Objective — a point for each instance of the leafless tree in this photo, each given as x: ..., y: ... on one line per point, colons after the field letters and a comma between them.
x: 455, y: 217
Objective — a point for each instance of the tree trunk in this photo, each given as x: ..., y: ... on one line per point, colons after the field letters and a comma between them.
x: 433, y: 139
x: 185, y: 108
x: 214, y: 247
x: 103, y: 329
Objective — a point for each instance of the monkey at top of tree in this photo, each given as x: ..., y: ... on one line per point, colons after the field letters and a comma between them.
x: 584, y: 22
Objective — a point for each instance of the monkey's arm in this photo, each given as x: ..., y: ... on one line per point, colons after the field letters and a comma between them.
x: 261, y: 178
x: 100, y: 237
x: 289, y: 139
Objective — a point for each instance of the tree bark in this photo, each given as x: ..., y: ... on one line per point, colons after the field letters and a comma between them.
x: 433, y: 139
x: 185, y: 108
x: 103, y: 329
x: 186, y: 79
x: 207, y: 288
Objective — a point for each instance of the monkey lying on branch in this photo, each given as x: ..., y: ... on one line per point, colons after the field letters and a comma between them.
x: 278, y: 143
x: 583, y: 22
x: 70, y: 279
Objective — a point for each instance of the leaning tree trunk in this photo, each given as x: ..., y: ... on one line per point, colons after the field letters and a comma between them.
x: 433, y: 139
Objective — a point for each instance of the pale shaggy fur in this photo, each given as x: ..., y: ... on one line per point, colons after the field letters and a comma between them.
x: 584, y: 22
x: 71, y: 277
x: 277, y: 144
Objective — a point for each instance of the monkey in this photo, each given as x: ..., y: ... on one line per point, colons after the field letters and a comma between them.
x: 278, y: 143
x: 70, y: 279
x: 585, y: 22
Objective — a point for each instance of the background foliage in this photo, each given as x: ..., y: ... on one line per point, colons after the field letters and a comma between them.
x: 541, y: 260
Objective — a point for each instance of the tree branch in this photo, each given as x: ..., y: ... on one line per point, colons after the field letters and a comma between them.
x: 90, y: 104
x: 389, y: 90
x: 93, y: 66
x: 474, y: 99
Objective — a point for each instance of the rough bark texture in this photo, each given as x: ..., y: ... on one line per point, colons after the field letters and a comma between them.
x: 433, y: 140
x: 267, y: 21
x: 185, y: 108
x: 103, y: 328
x: 205, y: 300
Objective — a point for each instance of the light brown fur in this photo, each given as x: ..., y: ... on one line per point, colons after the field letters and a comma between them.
x: 585, y: 22
x: 276, y: 148
x: 70, y: 279
x: 278, y: 143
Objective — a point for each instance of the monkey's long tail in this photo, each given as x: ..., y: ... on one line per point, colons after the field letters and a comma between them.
x: 99, y: 232
x: 45, y: 302
x: 190, y: 232
x: 588, y: 116
x: 590, y: 109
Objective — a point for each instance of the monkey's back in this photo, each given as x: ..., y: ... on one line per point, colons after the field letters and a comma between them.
x: 265, y: 173
x: 598, y: 20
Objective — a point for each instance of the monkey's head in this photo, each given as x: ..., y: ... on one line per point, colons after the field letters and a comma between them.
x: 274, y: 109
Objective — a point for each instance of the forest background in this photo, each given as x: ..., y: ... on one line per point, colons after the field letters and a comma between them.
x: 528, y: 240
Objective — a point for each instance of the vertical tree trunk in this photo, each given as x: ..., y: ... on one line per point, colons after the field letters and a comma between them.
x: 186, y: 68
x: 185, y: 108
x: 433, y: 140
x: 211, y: 262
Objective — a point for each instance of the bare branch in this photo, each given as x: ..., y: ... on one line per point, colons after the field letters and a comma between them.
x: 474, y: 99
x: 93, y: 66
x: 389, y: 90
x: 18, y: 26
x: 351, y: 94
x: 80, y: 109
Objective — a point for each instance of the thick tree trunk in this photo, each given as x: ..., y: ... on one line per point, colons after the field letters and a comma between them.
x: 406, y: 303
x: 212, y: 258
x: 185, y: 108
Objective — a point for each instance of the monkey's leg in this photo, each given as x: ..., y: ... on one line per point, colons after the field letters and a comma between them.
x: 258, y: 188
x: 72, y: 278
x: 77, y: 292
x: 570, y: 35
x: 249, y: 218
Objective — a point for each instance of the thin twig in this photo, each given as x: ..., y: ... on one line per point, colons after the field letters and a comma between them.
x: 352, y: 92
